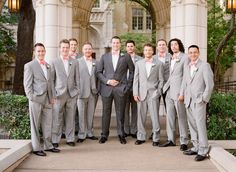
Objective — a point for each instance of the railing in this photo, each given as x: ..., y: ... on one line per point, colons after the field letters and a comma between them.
x: 225, y: 87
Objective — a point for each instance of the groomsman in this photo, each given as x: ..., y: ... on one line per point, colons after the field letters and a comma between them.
x: 74, y: 49
x: 66, y: 81
x: 112, y: 73
x: 147, y: 86
x: 175, y: 106
x: 196, y: 90
x: 131, y: 124
x: 38, y: 88
x: 88, y: 94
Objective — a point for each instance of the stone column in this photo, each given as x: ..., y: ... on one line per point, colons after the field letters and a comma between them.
x: 189, y: 23
x: 163, y: 32
x: 53, y: 23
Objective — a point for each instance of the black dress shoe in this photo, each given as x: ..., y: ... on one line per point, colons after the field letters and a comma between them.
x: 63, y: 136
x: 71, y: 143
x: 54, y: 150
x: 155, y: 143
x: 183, y: 147
x: 150, y: 138
x: 200, y: 158
x: 126, y: 135
x: 80, y: 140
x: 92, y: 138
x: 139, y: 142
x: 168, y: 143
x: 189, y: 152
x: 133, y: 136
x: 122, y: 139
x: 55, y: 145
x: 40, y: 153
x: 102, y: 140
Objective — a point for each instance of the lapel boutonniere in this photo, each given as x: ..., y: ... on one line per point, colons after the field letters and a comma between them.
x: 47, y: 66
x: 153, y: 64
x: 195, y: 68
x: 177, y: 60
x: 70, y: 63
x: 122, y: 54
x: 94, y: 64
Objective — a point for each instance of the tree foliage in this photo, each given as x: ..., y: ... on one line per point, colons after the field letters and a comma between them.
x: 217, y: 29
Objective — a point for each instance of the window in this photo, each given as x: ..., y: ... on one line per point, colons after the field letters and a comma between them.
x: 148, y: 21
x: 137, y: 19
x: 96, y: 4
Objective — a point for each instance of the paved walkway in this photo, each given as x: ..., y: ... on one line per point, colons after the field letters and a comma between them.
x: 115, y: 157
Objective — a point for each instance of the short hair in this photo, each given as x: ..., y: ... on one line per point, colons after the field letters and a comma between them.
x: 193, y: 46
x: 115, y: 37
x: 181, y: 46
x: 87, y: 43
x: 65, y: 41
x: 161, y: 40
x: 39, y: 45
x: 73, y: 39
x: 148, y: 45
x: 129, y: 41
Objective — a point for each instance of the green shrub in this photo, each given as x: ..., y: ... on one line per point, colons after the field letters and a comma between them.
x: 14, y: 116
x: 222, y: 116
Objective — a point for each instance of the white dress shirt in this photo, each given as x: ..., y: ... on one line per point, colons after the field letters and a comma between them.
x: 148, y: 68
x: 89, y: 65
x: 173, y: 61
x: 115, y: 59
x: 66, y: 65
x: 44, y: 68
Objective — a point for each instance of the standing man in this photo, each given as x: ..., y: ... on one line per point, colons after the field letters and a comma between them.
x: 197, y: 88
x: 131, y: 125
x: 74, y: 49
x: 38, y: 88
x: 66, y: 81
x: 175, y: 106
x: 147, y: 86
x: 87, y: 99
x: 112, y: 73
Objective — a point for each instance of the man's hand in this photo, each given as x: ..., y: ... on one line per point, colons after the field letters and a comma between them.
x: 136, y: 98
x: 113, y: 82
x: 181, y: 98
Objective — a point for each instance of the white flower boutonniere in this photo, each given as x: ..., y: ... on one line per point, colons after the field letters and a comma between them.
x: 177, y: 60
x: 47, y: 66
x: 70, y: 63
x: 153, y: 64
x: 195, y: 68
x: 94, y: 64
x: 122, y: 54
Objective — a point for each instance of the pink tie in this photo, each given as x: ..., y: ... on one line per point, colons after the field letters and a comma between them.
x: 65, y: 58
x: 42, y: 62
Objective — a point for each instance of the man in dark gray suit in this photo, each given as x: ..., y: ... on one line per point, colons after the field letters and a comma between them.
x: 112, y: 73
x: 131, y: 124
x: 38, y: 87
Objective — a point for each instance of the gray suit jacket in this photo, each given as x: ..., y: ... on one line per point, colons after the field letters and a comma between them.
x: 88, y: 83
x: 174, y: 82
x: 105, y: 72
x: 63, y: 82
x: 198, y: 88
x: 152, y: 84
x: 166, y: 66
x: 37, y: 86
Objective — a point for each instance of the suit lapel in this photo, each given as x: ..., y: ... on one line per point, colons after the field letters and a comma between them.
x: 154, y: 63
x: 38, y: 68
x: 93, y: 66
x: 144, y: 68
x: 69, y: 65
x: 61, y: 65
x: 109, y: 59
x: 85, y: 66
x: 197, y: 67
x: 118, y: 62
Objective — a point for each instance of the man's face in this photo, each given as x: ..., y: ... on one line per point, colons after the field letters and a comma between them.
x: 161, y: 46
x: 64, y: 49
x: 87, y: 50
x: 115, y: 43
x: 73, y: 46
x: 174, y: 46
x: 148, y: 52
x: 193, y: 53
x: 39, y: 52
x: 130, y: 48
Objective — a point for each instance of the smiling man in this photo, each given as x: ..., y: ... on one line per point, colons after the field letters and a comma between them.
x: 197, y: 87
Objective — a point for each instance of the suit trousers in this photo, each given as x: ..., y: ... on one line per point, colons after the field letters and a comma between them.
x: 120, y: 102
x: 176, y: 108
x: 86, y: 108
x: 197, y: 125
x: 130, y: 125
x: 151, y: 105
x: 64, y: 107
x: 40, y: 115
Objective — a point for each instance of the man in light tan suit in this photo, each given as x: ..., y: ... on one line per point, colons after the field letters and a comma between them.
x: 66, y: 81
x: 196, y: 91
x: 147, y: 86
x: 88, y: 94
x: 174, y: 106
x: 38, y: 88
